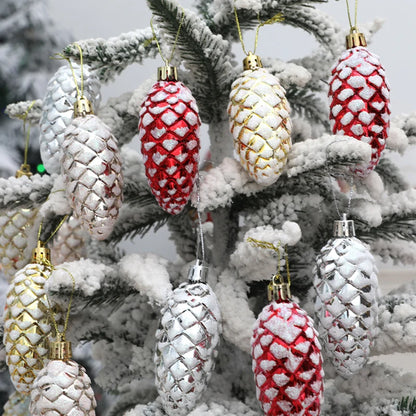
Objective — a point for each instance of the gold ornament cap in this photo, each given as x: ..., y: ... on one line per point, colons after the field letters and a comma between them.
x: 82, y: 107
x: 24, y: 170
x: 60, y: 350
x: 355, y: 38
x: 344, y: 227
x: 41, y: 254
x: 252, y: 62
x: 278, y: 291
x: 167, y: 73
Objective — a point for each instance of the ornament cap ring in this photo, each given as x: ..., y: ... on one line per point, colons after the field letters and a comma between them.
x: 355, y: 39
x: 167, y: 73
x: 198, y: 272
x: 344, y: 227
x: 252, y: 62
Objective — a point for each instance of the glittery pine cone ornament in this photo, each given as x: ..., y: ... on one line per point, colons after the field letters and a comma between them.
x: 287, y: 361
x: 17, y: 405
x: 359, y: 97
x: 346, y: 304
x: 259, y: 122
x: 186, y: 343
x: 26, y: 321
x: 62, y: 387
x: 58, y: 109
x: 169, y: 134
x: 69, y: 243
x: 91, y: 166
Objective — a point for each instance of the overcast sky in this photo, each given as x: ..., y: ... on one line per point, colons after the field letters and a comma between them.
x: 394, y: 43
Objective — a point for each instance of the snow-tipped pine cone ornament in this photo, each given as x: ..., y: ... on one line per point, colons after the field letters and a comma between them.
x: 58, y: 109
x: 91, y: 167
x: 62, y: 387
x: 169, y: 134
x: 186, y: 343
x: 17, y: 405
x: 287, y: 360
x: 345, y: 281
x: 260, y: 122
x: 359, y: 97
x: 27, y: 322
x: 69, y: 243
x: 15, y: 228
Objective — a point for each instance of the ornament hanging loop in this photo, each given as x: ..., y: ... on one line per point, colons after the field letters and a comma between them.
x: 354, y: 38
x: 167, y: 72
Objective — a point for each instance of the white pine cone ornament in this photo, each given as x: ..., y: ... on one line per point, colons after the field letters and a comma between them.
x: 15, y: 228
x: 287, y: 360
x: 186, y: 343
x: 58, y: 109
x: 69, y: 243
x: 91, y: 167
x: 62, y: 388
x: 360, y: 99
x: 17, y: 405
x: 27, y: 323
x: 169, y: 134
x: 345, y: 280
x: 259, y: 122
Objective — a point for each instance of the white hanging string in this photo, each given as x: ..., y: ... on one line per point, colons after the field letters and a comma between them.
x: 200, y: 250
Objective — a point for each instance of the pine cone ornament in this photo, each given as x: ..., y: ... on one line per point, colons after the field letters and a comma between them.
x: 186, y: 343
x: 360, y: 100
x: 17, y: 405
x: 345, y: 280
x: 91, y: 167
x: 62, y: 388
x: 58, y: 107
x: 169, y: 134
x: 68, y: 244
x: 26, y: 322
x: 259, y: 122
x: 287, y: 361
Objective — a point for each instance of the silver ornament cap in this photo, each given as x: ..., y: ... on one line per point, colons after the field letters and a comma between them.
x: 344, y: 228
x: 198, y: 272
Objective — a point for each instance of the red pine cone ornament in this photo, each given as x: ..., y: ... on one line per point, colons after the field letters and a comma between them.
x: 169, y: 133
x: 360, y: 99
x: 287, y: 360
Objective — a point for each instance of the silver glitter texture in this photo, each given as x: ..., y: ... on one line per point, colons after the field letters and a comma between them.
x: 345, y: 280
x: 58, y: 108
x: 91, y: 167
x: 185, y: 349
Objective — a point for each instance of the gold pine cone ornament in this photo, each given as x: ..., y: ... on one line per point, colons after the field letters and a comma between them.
x: 26, y: 321
x: 260, y: 122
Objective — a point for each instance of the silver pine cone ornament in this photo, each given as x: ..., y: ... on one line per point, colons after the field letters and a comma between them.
x: 186, y: 341
x: 345, y: 280
x: 259, y: 122
x: 58, y: 106
x: 91, y: 166
x: 17, y: 405
x: 63, y: 387
x: 26, y: 322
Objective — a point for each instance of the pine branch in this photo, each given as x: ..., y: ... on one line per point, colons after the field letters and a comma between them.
x: 205, y: 55
x: 389, y: 173
x: 18, y: 111
x: 407, y: 404
x: 110, y: 57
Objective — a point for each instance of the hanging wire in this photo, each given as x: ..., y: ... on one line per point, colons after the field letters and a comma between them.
x: 200, y: 240
x: 54, y: 232
x: 164, y: 59
x: 349, y: 15
x: 276, y: 18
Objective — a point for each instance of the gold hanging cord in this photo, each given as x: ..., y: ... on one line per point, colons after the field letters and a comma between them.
x: 355, y: 38
x: 164, y: 59
x: 352, y: 27
x: 276, y: 18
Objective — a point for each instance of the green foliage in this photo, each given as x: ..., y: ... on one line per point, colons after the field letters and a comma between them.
x: 408, y: 405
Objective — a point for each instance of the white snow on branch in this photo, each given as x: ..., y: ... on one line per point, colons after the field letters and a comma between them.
x: 406, y: 122
x: 18, y: 111
x: 327, y: 149
x: 57, y: 202
x: 148, y: 274
x: 397, y: 324
x: 237, y: 318
x: 288, y: 73
x: 255, y: 263
x: 397, y: 140
x: 401, y: 203
x: 88, y: 276
x: 400, y: 251
x: 220, y: 184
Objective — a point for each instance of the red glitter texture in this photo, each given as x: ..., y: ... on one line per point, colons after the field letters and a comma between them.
x: 168, y: 129
x: 360, y: 102
x: 287, y: 361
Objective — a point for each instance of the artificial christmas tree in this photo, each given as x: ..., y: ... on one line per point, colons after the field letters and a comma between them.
x: 119, y: 296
